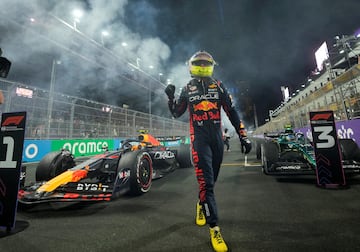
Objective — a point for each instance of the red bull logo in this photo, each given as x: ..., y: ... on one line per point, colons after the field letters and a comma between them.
x: 204, y: 116
x: 205, y: 106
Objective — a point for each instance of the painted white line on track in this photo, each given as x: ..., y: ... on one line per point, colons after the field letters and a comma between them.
x: 241, y: 164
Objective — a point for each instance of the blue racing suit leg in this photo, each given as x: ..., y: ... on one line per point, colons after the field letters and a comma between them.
x: 207, y: 157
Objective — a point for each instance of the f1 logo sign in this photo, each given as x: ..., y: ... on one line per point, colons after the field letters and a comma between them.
x: 322, y: 116
x: 13, y: 120
x: 329, y: 170
x: 10, y: 124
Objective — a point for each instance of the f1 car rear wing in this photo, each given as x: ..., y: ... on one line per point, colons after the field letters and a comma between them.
x: 271, y: 134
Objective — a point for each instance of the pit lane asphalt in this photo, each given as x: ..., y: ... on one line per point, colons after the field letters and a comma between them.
x: 257, y: 213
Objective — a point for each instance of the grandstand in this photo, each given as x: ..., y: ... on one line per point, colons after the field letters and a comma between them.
x: 336, y: 87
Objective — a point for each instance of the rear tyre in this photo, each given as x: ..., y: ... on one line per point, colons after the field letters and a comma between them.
x: 140, y: 165
x: 183, y: 156
x: 349, y: 149
x: 53, y: 164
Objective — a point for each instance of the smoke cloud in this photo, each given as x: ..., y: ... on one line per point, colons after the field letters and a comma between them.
x: 114, y: 67
x: 260, y: 46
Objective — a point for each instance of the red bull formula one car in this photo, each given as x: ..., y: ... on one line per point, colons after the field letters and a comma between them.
x: 128, y: 170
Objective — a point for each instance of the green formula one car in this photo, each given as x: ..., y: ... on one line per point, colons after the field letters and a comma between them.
x: 291, y: 153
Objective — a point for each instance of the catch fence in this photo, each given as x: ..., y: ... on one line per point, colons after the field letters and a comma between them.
x: 60, y: 116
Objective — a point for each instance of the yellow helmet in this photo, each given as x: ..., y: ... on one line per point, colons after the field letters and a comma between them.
x: 201, y: 64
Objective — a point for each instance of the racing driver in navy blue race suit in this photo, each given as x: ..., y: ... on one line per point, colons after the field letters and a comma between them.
x: 204, y: 97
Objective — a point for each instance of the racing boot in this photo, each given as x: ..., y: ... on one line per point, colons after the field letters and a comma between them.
x: 217, y: 241
x: 200, y: 219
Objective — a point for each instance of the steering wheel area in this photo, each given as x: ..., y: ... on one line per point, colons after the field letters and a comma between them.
x: 131, y: 145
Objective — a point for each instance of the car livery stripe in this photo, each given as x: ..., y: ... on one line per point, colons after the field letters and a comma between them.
x: 99, y: 197
x: 64, y: 178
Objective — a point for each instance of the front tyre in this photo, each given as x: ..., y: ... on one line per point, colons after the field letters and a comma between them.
x: 269, y: 156
x: 141, y: 169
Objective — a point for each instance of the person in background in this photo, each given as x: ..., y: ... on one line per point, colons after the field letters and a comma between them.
x: 1, y: 97
x: 4, y: 70
x: 227, y: 139
x: 204, y: 96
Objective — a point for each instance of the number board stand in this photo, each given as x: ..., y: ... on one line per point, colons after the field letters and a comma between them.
x: 11, y: 145
x: 329, y: 170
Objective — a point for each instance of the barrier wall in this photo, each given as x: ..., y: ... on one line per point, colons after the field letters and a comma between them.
x: 35, y: 150
x: 345, y: 129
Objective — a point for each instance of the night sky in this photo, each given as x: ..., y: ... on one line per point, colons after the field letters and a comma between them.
x: 259, y: 45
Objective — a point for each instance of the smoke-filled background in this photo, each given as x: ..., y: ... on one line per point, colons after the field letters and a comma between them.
x: 259, y: 46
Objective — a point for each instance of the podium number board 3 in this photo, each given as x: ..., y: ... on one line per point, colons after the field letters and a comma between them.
x: 329, y: 170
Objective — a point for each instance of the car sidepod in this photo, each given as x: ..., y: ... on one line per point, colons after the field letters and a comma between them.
x: 164, y: 161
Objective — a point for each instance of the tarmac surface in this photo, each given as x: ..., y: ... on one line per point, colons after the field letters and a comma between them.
x: 257, y: 213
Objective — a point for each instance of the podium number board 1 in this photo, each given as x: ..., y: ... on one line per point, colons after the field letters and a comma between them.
x: 11, y: 146
x: 329, y: 170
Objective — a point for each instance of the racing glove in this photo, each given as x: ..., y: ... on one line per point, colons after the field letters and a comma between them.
x: 245, y: 145
x: 170, y: 91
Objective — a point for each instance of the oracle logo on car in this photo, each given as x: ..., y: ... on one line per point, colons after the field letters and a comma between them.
x: 164, y: 155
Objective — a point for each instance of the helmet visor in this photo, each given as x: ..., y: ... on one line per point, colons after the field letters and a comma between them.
x: 202, y: 63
